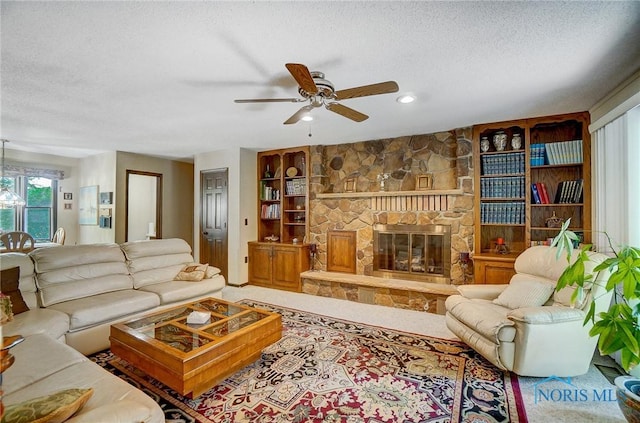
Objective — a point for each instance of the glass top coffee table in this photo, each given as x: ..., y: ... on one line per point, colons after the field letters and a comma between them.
x: 192, y: 358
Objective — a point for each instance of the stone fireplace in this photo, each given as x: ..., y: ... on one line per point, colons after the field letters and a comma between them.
x: 346, y: 195
x: 415, y: 252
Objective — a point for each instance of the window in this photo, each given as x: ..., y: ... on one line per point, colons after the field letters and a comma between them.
x: 8, y: 216
x: 38, y: 215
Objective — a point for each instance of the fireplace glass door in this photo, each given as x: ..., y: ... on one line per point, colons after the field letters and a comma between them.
x: 419, y: 252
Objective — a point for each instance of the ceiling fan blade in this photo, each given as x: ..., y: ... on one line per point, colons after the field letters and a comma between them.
x: 298, y: 115
x: 303, y: 77
x: 269, y: 100
x: 365, y: 90
x: 347, y: 112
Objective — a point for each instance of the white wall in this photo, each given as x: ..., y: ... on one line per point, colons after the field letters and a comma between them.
x: 142, y: 206
x: 242, y: 203
x: 99, y: 169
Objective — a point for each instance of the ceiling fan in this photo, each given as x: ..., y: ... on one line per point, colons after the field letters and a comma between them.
x: 319, y: 92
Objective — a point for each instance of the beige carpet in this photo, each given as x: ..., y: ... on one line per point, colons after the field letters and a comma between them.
x: 584, y: 400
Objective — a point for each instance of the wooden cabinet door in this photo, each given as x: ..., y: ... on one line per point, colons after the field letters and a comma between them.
x: 286, y: 267
x: 492, y: 272
x: 260, y: 266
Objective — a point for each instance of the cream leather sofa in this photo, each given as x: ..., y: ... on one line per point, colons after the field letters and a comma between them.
x: 529, y: 329
x: 74, y: 294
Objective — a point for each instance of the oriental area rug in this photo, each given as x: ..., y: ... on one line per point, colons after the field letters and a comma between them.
x: 331, y: 370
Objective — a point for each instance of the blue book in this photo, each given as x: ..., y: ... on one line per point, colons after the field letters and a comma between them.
x: 536, y: 195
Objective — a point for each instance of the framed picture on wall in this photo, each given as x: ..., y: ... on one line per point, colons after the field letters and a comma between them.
x: 68, y: 196
x: 88, y: 205
x: 106, y: 197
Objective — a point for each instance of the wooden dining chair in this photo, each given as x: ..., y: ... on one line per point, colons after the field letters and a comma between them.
x: 59, y: 236
x: 17, y: 241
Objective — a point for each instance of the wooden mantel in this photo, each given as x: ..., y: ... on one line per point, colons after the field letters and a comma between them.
x: 435, y: 199
x: 431, y: 192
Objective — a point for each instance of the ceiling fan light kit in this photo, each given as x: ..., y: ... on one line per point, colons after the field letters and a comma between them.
x: 316, y: 90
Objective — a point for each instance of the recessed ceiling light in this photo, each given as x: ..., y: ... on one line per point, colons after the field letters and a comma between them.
x: 407, y: 98
x: 307, y: 118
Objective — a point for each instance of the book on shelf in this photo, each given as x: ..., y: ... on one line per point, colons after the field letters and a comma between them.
x: 569, y: 192
x: 537, y: 157
x: 504, y: 163
x: 296, y: 187
x: 535, y: 195
x: 502, y: 187
x: 506, y: 213
x: 544, y: 194
x: 270, y: 211
x: 564, y: 152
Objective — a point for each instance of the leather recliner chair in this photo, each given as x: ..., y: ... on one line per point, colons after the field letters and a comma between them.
x: 526, y: 327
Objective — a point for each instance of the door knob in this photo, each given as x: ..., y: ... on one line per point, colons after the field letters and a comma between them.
x: 205, y: 233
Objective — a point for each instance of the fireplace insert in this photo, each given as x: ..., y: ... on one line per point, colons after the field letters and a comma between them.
x: 414, y: 252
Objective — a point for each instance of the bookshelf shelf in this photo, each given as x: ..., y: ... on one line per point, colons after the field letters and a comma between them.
x: 557, y: 166
x: 544, y: 228
x: 558, y: 205
x: 554, y: 158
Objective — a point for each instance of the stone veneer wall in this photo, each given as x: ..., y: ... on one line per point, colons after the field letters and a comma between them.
x: 445, y: 155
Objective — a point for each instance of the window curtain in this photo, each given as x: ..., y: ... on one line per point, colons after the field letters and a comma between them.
x: 616, y: 148
x: 15, y: 171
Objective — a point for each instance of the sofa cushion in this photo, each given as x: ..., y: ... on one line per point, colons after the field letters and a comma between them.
x: 488, y: 319
x: 9, y: 281
x: 211, y: 272
x: 193, y: 272
x: 525, y: 293
x: 173, y: 291
x: 100, y: 308
x: 38, y: 320
x: 27, y: 283
x: 44, y: 366
x: 156, y: 261
x: 55, y: 408
x: 30, y: 367
x: 72, y: 272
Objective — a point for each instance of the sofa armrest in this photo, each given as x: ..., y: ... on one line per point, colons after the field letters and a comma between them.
x: 545, y: 315
x: 483, y: 292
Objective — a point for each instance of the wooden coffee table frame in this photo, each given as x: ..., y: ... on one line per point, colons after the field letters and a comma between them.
x: 191, y: 359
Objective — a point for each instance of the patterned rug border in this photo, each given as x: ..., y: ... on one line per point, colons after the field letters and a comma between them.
x: 513, y: 395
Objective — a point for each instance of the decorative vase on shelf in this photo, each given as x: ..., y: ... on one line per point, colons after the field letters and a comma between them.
x: 627, y: 393
x: 516, y: 142
x: 500, y: 141
x: 484, y: 144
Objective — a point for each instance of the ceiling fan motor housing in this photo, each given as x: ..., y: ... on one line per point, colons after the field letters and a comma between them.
x: 325, y: 88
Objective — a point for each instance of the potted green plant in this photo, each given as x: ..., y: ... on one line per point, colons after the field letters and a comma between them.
x: 618, y: 328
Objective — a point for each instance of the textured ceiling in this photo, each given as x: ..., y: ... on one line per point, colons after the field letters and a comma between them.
x: 160, y: 78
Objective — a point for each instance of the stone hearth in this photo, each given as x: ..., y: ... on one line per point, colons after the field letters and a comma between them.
x: 399, y: 293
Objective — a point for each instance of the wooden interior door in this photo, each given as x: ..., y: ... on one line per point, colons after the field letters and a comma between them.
x: 214, y: 216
